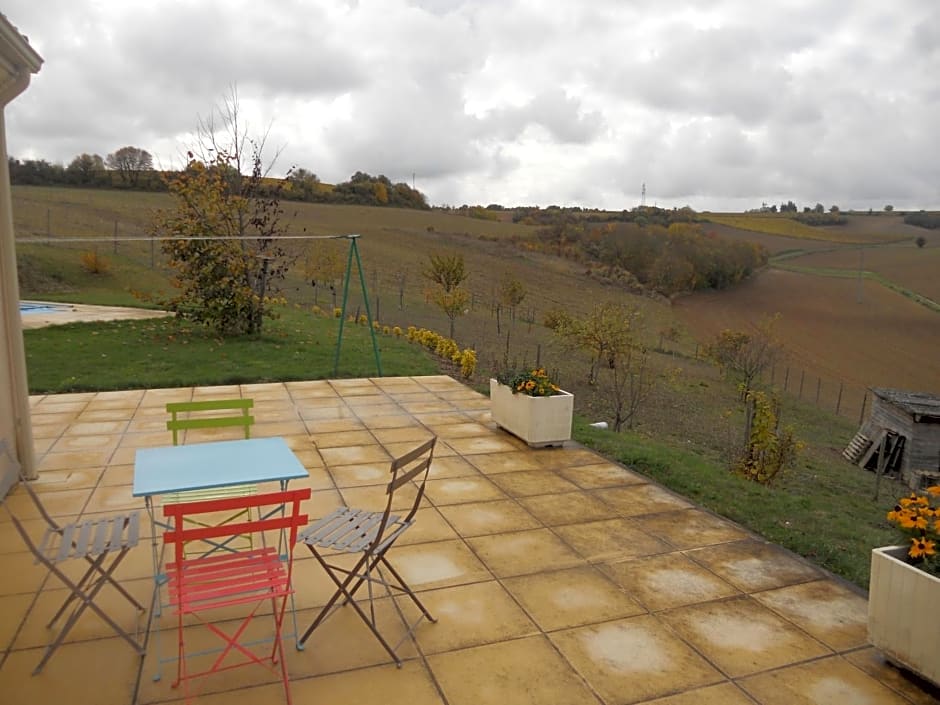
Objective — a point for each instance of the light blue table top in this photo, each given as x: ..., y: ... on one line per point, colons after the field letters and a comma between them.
x: 200, y: 466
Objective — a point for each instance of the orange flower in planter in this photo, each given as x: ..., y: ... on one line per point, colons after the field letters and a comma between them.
x: 917, y: 517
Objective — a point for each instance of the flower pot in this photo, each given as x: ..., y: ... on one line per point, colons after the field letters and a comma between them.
x: 903, y: 615
x: 539, y: 421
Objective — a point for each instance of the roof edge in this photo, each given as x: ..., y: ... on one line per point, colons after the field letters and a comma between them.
x: 23, y: 54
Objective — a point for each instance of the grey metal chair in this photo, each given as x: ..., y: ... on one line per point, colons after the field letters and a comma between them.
x: 370, y: 534
x: 101, y: 543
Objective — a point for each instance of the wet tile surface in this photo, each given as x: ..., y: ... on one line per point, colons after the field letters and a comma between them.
x: 556, y: 575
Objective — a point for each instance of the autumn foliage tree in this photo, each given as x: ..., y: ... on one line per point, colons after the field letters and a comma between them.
x: 224, y: 236
x: 746, y: 355
x: 447, y: 273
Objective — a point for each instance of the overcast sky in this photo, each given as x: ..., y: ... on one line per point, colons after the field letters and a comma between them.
x: 718, y: 104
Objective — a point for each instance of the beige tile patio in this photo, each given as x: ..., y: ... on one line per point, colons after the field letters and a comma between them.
x: 610, y: 539
x: 832, y: 613
x: 690, y: 528
x: 831, y: 681
x: 522, y: 672
x: 722, y: 694
x: 334, y: 439
x: 438, y: 564
x: 597, y: 475
x: 409, y: 685
x: 754, y: 565
x: 65, y: 678
x: 459, y: 490
x: 475, y: 445
x: 509, y: 461
x: 641, y: 499
x: 350, y: 455
x: 571, y: 597
x: 741, y: 637
x: 13, y: 609
x: 527, y: 483
x: 874, y: 664
x: 429, y: 525
x: 480, y: 518
x: 566, y: 508
x: 634, y: 659
x: 471, y: 615
x: 521, y: 552
x: 451, y: 466
x: 671, y: 580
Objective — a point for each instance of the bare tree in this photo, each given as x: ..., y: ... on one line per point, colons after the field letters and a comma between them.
x: 129, y: 162
x: 746, y: 355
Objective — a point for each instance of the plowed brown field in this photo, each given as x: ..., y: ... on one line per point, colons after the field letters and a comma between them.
x: 829, y: 337
x: 914, y: 268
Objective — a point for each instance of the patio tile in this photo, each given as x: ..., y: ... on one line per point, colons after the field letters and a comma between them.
x: 438, y: 564
x: 480, y: 518
x: 571, y: 455
x: 117, y: 475
x: 511, y: 461
x: 391, y: 421
x: 409, y: 685
x: 522, y: 672
x: 690, y: 528
x: 57, y: 503
x: 527, y: 483
x: 334, y: 425
x: 741, y: 637
x: 336, y: 439
x: 753, y: 566
x: 831, y: 681
x: 641, y: 499
x: 452, y: 466
x: 113, y: 499
x: 367, y: 411
x: 570, y: 598
x: 633, y: 659
x: 287, y: 427
x: 374, y: 499
x: 65, y: 678
x: 671, y: 580
x: 610, y: 539
x: 349, y: 455
x: 522, y: 552
x: 68, y: 479
x: 401, y: 434
x: 10, y: 539
x: 85, y: 443
x: 429, y: 526
x: 826, y: 610
x: 313, y: 416
x: 874, y: 664
x: 597, y: 475
x: 13, y: 609
x: 471, y: 615
x: 34, y: 632
x: 21, y: 574
x: 480, y: 444
x: 566, y: 508
x: 74, y: 459
x: 459, y: 490
x: 722, y: 694
x: 151, y: 439
x: 97, y: 428
x: 360, y: 474
x: 467, y: 429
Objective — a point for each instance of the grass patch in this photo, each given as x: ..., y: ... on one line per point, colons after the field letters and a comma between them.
x: 163, y: 352
x: 821, y: 511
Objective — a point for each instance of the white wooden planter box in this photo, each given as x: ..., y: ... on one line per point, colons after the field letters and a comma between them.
x: 904, y: 612
x: 539, y: 421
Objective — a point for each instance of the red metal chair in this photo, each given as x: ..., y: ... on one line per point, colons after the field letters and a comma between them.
x: 198, y: 585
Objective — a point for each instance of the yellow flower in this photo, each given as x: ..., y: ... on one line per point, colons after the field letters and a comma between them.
x: 921, y: 547
x: 935, y: 490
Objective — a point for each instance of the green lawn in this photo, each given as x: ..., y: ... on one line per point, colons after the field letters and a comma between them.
x: 162, y: 352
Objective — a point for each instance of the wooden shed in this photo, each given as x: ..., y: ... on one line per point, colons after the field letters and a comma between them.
x: 903, y: 433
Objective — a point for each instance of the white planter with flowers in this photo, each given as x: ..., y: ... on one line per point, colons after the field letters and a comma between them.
x: 903, y: 597
x: 538, y: 420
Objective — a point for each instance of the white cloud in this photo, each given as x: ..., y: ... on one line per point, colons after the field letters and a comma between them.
x: 513, y: 101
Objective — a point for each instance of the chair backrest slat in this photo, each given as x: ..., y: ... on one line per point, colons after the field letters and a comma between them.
x: 421, y: 458
x: 290, y: 499
x: 176, y: 424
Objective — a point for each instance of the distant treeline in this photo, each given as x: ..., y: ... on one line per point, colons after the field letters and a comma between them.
x: 679, y: 258
x: 923, y: 219
x: 90, y: 171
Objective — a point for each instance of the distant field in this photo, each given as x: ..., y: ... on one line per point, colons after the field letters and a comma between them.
x: 917, y: 269
x: 859, y: 229
x: 884, y: 340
